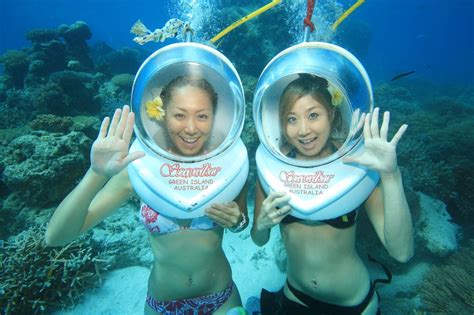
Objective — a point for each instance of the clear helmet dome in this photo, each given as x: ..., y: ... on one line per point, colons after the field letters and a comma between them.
x: 349, y: 89
x: 217, y: 118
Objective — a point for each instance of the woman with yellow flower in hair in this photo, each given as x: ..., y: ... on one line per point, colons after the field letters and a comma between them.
x: 325, y: 274
x: 189, y: 114
x: 190, y: 274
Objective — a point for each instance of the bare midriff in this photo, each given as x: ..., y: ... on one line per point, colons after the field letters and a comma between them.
x: 188, y: 263
x: 324, y: 264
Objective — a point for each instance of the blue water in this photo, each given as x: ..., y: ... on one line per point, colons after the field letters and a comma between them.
x: 109, y: 20
x: 434, y: 38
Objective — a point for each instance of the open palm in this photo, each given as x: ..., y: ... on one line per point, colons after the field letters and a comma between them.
x: 109, y: 154
x: 379, y: 154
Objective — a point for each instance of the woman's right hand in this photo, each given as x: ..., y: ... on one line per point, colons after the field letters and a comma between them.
x: 274, y: 208
x: 109, y: 153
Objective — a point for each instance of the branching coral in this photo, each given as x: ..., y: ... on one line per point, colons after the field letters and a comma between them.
x: 449, y: 289
x: 36, y: 278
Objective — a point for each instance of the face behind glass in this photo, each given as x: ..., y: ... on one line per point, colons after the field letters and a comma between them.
x: 308, y: 127
x: 189, y: 119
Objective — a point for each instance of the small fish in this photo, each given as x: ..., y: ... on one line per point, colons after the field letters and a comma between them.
x: 401, y: 75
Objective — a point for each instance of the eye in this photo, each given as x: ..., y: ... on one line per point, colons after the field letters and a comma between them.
x: 178, y: 116
x: 313, y: 116
x: 291, y: 120
x: 203, y: 117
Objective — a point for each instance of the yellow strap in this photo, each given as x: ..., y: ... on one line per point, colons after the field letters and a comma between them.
x: 346, y: 14
x: 245, y: 19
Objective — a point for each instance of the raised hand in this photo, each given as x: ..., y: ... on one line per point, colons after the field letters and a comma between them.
x: 109, y: 153
x: 379, y: 154
x: 357, y: 121
x: 274, y: 208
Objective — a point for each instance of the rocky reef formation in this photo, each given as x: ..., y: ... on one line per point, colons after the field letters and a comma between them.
x: 437, y: 151
x: 52, y: 97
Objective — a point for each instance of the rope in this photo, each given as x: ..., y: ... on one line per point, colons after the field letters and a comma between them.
x: 309, y: 13
x: 347, y: 13
x: 245, y: 19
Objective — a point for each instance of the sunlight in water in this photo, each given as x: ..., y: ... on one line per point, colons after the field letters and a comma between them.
x: 197, y: 12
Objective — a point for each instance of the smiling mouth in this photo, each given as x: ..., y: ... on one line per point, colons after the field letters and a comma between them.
x: 190, y: 140
x: 307, y: 141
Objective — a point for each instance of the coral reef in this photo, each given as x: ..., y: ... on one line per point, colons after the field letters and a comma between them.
x: 48, y: 98
x: 39, y: 169
x: 46, y: 58
x: 39, y: 36
x: 80, y: 89
x: 253, y: 35
x: 36, y: 279
x: 52, y: 123
x: 124, y: 60
x: 89, y: 125
x: 16, y: 65
x: 437, y: 165
x: 435, y: 229
x: 3, y: 87
x: 17, y: 110
x: 123, y: 80
x: 249, y: 134
x: 449, y: 288
x: 75, y: 36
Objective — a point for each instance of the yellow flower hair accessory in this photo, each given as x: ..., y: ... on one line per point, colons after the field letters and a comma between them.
x: 154, y: 109
x: 336, y: 96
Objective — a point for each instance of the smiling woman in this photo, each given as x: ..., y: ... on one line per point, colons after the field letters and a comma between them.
x: 308, y: 116
x: 189, y: 106
x: 179, y: 167
x: 316, y: 175
x: 175, y: 126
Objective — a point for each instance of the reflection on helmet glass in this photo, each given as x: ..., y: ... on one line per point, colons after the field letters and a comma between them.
x: 187, y: 110
x: 313, y: 116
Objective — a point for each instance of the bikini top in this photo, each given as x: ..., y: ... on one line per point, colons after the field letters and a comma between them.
x: 160, y: 224
x: 343, y: 222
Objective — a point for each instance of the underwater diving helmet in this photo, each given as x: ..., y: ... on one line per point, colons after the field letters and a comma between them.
x: 323, y: 188
x: 170, y: 182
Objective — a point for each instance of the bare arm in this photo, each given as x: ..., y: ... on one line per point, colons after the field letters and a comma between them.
x: 87, y: 205
x: 389, y: 213
x: 387, y: 206
x: 104, y: 187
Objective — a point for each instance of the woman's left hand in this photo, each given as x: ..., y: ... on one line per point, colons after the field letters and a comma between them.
x: 379, y: 154
x: 227, y: 215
